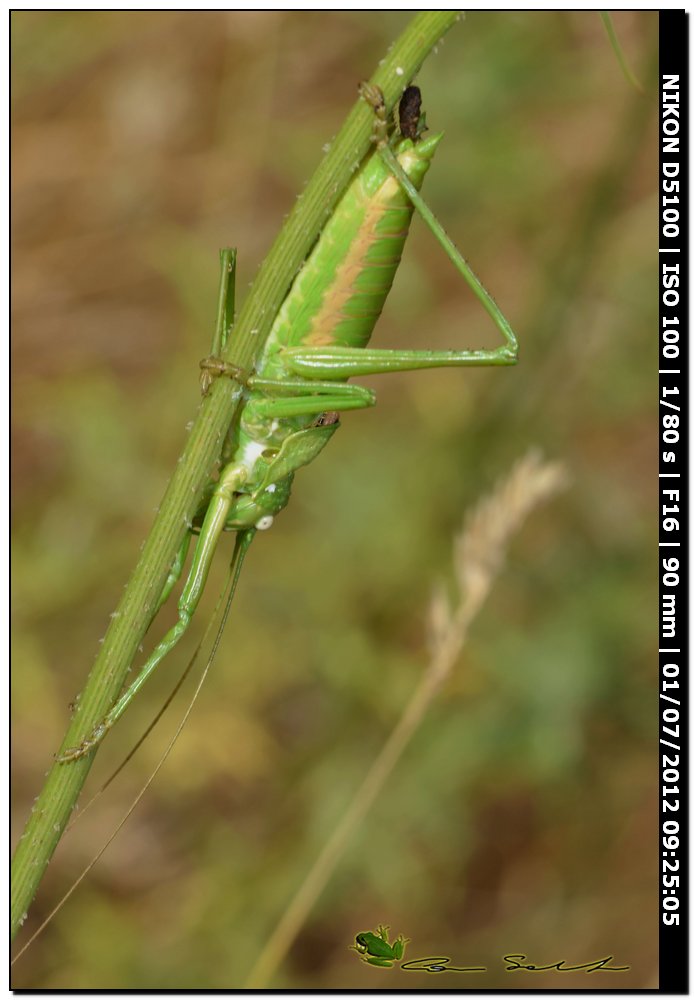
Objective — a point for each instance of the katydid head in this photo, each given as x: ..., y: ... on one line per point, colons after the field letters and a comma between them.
x: 259, y: 509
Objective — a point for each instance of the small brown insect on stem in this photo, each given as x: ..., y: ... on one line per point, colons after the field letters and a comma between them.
x: 409, y: 111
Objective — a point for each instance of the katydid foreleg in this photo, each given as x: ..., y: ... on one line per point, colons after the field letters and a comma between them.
x: 217, y: 509
x: 223, y: 325
x: 174, y: 574
x: 213, y: 525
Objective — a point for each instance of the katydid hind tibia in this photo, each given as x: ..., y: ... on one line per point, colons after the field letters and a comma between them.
x: 318, y: 340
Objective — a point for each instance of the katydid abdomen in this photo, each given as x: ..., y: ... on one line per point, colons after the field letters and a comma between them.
x: 341, y: 289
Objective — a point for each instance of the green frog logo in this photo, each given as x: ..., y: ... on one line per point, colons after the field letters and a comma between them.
x: 376, y: 949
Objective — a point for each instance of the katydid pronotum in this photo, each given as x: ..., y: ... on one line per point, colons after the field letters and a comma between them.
x: 294, y: 398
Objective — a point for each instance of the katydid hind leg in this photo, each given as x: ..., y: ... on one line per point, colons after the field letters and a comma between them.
x: 345, y: 362
x: 452, y: 252
x: 374, y: 97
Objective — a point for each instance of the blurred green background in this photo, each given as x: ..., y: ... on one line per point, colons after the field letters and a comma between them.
x: 522, y: 817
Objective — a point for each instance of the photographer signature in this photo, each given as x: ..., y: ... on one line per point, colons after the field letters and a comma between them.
x: 375, y: 949
x: 514, y: 963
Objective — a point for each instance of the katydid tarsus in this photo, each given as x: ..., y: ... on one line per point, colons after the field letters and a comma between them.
x: 293, y: 398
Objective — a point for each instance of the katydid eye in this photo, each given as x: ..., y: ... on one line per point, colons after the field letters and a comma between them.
x: 264, y: 522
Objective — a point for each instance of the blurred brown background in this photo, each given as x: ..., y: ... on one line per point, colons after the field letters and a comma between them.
x: 522, y: 816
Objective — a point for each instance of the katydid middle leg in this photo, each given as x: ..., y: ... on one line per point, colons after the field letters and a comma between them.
x: 226, y: 300
x: 306, y: 397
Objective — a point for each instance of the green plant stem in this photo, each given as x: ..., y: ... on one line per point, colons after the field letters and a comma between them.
x: 58, y: 797
x: 619, y: 52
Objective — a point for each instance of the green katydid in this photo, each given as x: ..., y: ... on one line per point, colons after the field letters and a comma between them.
x: 319, y: 339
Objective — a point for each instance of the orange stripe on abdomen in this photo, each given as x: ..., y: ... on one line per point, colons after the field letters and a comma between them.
x: 358, y: 278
